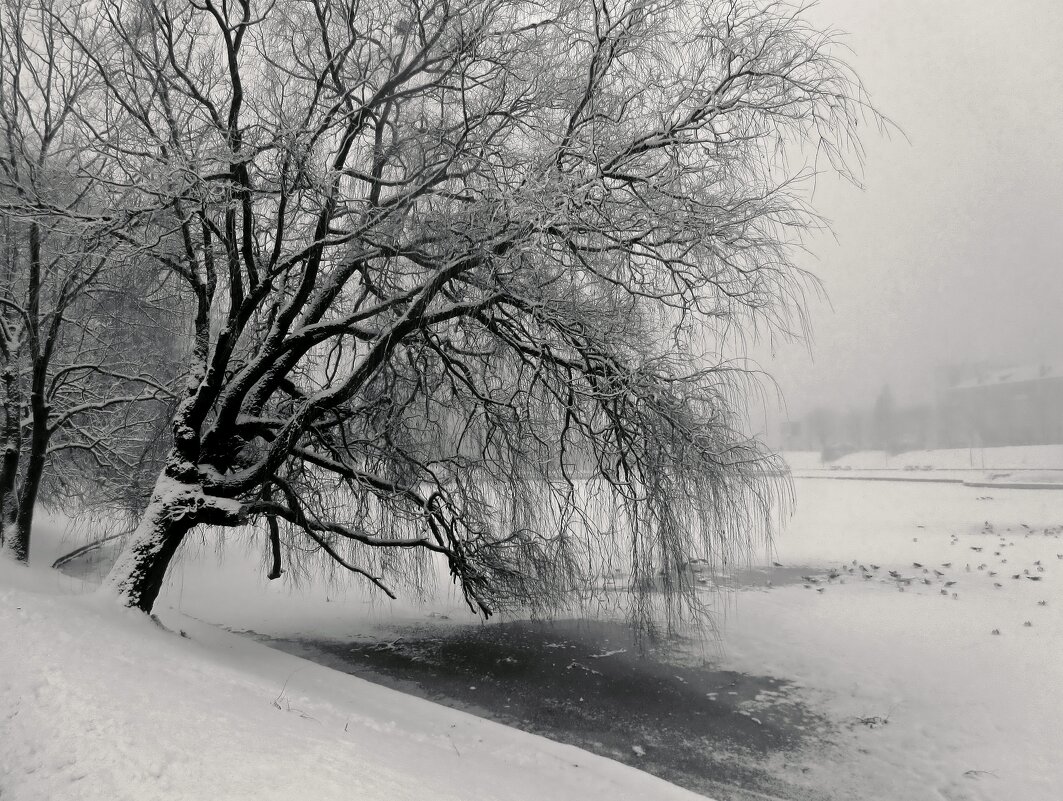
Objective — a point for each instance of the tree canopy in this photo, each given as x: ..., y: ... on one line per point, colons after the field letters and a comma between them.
x: 465, y: 279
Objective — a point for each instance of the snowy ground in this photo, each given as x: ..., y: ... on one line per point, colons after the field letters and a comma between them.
x: 968, y: 714
x: 97, y: 702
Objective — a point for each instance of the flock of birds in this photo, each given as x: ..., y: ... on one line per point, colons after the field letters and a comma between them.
x: 930, y: 574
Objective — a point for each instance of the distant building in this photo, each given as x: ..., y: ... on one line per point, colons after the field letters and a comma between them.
x: 1020, y: 405
x: 977, y: 406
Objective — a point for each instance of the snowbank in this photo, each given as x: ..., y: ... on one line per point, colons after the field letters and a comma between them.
x: 97, y: 702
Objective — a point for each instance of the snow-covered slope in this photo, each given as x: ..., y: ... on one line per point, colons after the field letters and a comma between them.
x: 97, y: 702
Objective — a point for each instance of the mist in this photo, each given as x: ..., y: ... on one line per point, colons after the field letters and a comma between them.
x: 950, y: 254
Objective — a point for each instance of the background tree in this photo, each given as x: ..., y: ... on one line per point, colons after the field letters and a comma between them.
x: 76, y: 388
x: 434, y: 249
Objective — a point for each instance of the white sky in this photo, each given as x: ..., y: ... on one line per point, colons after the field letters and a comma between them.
x: 953, y: 251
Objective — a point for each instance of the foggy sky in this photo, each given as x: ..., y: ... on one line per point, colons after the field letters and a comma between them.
x: 953, y: 250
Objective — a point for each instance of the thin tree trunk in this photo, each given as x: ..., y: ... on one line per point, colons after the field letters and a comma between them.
x: 9, y: 512
x: 9, y: 459
x: 31, y: 481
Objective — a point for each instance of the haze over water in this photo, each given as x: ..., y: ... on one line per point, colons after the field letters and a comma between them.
x: 952, y: 253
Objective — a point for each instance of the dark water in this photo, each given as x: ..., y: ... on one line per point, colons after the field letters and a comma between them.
x: 662, y: 707
x: 663, y: 710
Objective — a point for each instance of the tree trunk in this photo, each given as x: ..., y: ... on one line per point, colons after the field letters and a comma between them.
x: 9, y: 460
x: 31, y: 481
x: 176, y: 508
x: 8, y: 514
x: 177, y: 505
x: 138, y: 575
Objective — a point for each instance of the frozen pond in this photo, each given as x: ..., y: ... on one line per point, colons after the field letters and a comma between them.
x: 960, y: 651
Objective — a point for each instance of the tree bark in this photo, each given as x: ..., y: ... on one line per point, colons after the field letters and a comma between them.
x: 31, y: 481
x: 175, y: 509
x: 138, y: 575
x: 9, y: 461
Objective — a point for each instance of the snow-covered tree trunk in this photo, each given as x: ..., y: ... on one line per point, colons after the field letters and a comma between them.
x: 175, y: 509
x: 138, y: 575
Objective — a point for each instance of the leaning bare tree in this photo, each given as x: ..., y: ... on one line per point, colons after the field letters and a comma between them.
x: 467, y: 276
x: 76, y: 395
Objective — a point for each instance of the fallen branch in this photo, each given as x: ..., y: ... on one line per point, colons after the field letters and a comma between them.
x: 84, y: 549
